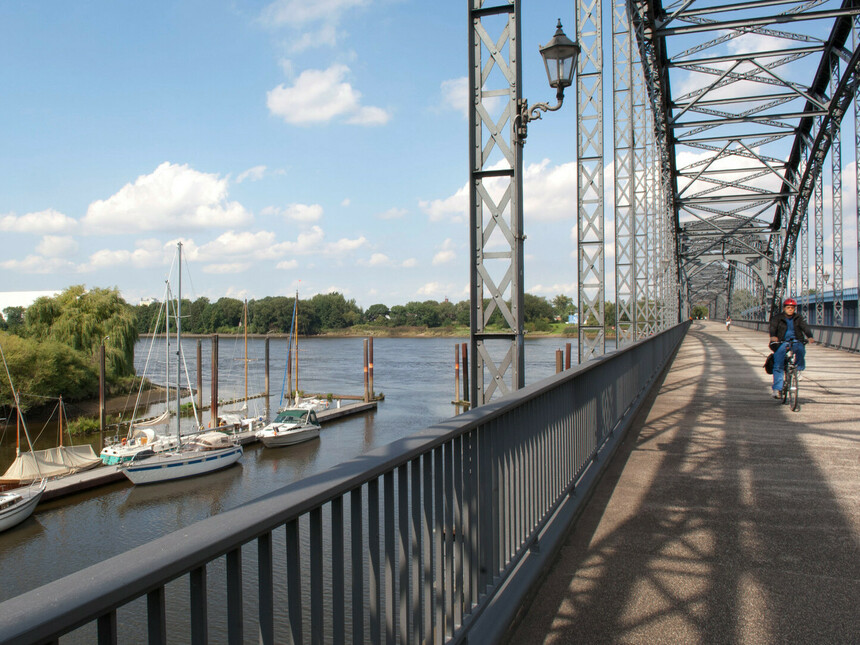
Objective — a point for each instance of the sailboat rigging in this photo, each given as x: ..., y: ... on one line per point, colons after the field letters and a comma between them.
x: 17, y: 504
x: 202, y: 453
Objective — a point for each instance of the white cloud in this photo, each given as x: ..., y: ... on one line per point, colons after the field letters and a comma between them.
x: 455, y: 95
x: 435, y: 290
x: 346, y: 202
x: 378, y: 260
x: 303, y: 212
x: 149, y: 253
x: 40, y: 223
x: 549, y: 191
x: 454, y: 208
x: 409, y: 263
x: 287, y: 265
x: 231, y: 267
x: 297, y: 13
x: 393, y: 213
x: 57, y: 246
x: 344, y: 245
x: 173, y: 197
x: 307, y: 242
x: 234, y: 244
x: 39, y: 264
x: 552, y: 290
x: 253, y: 174
x: 446, y: 254
x: 319, y: 96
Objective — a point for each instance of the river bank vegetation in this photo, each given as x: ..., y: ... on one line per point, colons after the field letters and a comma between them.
x: 53, y: 345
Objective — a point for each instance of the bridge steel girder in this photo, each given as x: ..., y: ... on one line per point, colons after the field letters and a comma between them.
x: 725, y: 137
x: 495, y: 198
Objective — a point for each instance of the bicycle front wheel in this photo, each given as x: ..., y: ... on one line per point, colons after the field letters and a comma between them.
x: 793, y: 390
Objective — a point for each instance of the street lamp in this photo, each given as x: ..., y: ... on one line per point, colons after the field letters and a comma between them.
x: 559, y: 57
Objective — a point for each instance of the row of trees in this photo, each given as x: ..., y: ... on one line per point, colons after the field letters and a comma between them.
x: 52, y: 346
x: 332, y: 311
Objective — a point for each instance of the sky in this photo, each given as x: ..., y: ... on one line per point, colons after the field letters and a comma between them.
x: 295, y: 145
x: 290, y: 145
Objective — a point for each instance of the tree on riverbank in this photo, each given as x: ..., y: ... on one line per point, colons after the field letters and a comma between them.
x: 82, y: 319
x: 44, y: 370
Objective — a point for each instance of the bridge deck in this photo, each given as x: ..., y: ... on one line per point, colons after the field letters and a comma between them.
x: 724, y: 517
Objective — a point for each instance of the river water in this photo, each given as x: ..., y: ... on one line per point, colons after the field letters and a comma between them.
x: 416, y: 375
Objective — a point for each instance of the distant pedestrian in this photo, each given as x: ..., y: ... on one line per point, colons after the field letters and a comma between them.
x: 728, y: 323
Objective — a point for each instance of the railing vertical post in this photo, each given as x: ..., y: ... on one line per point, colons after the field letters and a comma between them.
x: 375, y: 565
x: 337, y: 571
x: 294, y: 581
x: 356, y: 529
x: 266, y: 587
x: 416, y: 588
x: 405, y: 616
x: 156, y: 619
x: 107, y: 629
x: 388, y: 537
x: 199, y: 610
x: 235, y: 619
x: 316, y: 558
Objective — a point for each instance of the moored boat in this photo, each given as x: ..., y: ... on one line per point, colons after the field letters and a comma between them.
x: 201, y: 453
x: 291, y: 426
x: 142, y: 439
x: 18, y: 504
x: 204, y: 453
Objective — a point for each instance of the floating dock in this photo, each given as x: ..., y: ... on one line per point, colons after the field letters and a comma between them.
x: 104, y: 475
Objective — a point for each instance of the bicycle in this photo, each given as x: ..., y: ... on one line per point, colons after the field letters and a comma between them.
x: 790, y: 384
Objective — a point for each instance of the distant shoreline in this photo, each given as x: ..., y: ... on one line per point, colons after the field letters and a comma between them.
x: 383, y: 332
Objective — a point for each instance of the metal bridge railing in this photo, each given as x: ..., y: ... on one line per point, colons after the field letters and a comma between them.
x: 847, y: 338
x: 433, y: 538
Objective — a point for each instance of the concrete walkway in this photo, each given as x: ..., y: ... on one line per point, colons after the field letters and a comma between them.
x: 724, y: 517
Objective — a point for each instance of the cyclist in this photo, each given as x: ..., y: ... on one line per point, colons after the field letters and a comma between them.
x: 787, y: 328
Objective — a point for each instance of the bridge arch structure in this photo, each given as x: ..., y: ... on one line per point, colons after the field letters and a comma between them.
x: 723, y: 122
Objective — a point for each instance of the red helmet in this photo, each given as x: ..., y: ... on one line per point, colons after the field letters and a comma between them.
x: 789, y: 301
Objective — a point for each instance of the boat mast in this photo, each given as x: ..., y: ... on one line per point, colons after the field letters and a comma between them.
x: 61, y: 420
x: 297, y: 346
x: 245, y: 325
x: 17, y: 425
x: 178, y: 338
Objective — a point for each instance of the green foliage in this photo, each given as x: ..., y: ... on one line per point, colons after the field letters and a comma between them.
x: 376, y: 313
x: 47, y: 368
x: 334, y: 311
x: 83, y: 425
x: 700, y: 312
x: 82, y: 320
x: 14, y: 319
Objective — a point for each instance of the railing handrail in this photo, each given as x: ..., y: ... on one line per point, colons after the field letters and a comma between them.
x: 82, y: 597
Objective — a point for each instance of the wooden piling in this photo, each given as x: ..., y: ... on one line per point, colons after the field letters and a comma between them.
x: 559, y: 363
x: 199, y: 374
x: 214, y: 400
x: 456, y: 373
x: 567, y: 356
x: 465, y: 371
x: 366, y: 384
x: 370, y: 366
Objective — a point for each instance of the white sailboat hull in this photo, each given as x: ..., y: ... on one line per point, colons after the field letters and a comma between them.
x: 19, y: 510
x: 168, y: 466
x: 279, y: 438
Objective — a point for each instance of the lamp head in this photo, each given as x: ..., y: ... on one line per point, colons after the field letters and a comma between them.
x: 559, y: 57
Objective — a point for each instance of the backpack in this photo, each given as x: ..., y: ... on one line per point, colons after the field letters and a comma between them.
x: 768, y: 364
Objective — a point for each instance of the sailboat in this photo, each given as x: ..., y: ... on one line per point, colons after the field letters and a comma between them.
x: 142, y: 436
x: 202, y: 453
x: 296, y: 422
x: 240, y: 418
x: 17, y: 504
x: 58, y: 461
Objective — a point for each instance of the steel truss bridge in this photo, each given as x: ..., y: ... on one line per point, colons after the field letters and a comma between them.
x: 727, y: 123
